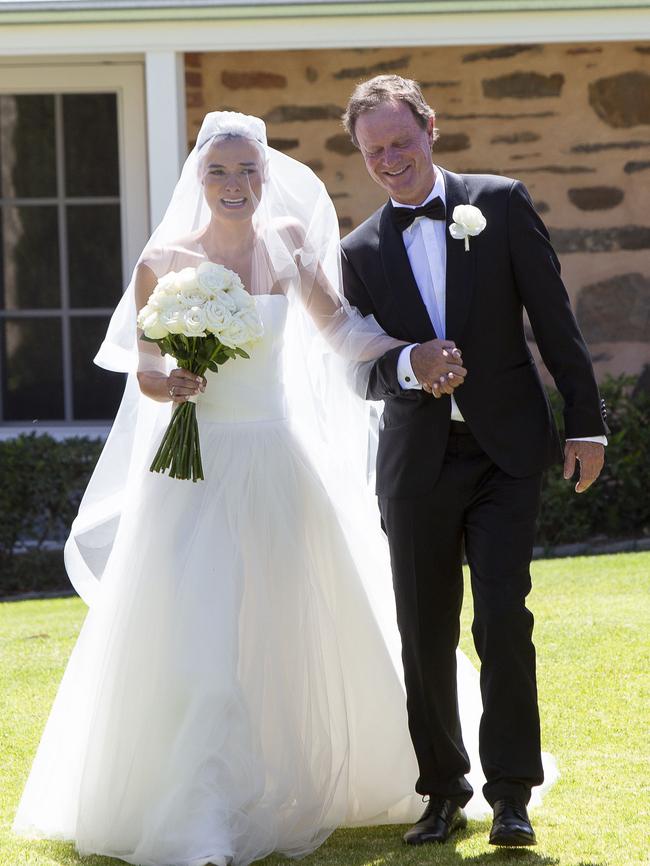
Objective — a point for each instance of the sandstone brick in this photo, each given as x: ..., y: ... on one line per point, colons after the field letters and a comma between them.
x: 395, y: 65
x: 451, y: 142
x: 501, y: 53
x: 284, y: 144
x: 628, y: 237
x: 616, y: 309
x: 193, y: 79
x: 595, y: 197
x: 523, y: 85
x: 341, y: 144
x: 293, y: 113
x: 238, y: 80
x: 515, y: 138
x: 633, y: 166
x: 622, y: 100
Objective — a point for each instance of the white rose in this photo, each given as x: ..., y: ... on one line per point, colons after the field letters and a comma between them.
x: 195, y: 323
x: 163, y: 301
x: 186, y: 281
x: 144, y: 313
x: 173, y: 319
x: 236, y: 282
x: 151, y: 325
x: 468, y: 222
x: 241, y: 298
x: 211, y: 276
x: 191, y: 300
x: 243, y: 328
x: 236, y: 333
x: 217, y: 315
x: 253, y: 323
x: 166, y: 284
x: 227, y: 300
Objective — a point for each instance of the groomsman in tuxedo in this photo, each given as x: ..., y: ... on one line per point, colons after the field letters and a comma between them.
x: 466, y: 433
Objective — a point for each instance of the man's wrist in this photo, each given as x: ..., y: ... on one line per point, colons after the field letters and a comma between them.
x: 599, y: 440
x: 405, y: 376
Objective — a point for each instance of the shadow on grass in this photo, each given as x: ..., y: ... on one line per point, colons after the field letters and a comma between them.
x: 375, y: 846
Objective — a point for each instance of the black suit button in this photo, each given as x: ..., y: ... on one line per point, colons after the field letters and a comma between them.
x: 407, y: 378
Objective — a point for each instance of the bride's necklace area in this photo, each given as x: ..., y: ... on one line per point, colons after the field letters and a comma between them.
x: 241, y: 261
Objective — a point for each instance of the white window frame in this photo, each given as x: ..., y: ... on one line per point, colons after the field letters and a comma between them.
x: 127, y: 81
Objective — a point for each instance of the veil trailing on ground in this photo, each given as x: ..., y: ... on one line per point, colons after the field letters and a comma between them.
x: 294, y: 251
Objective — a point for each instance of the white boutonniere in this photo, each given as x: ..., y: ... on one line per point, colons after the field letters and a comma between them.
x: 468, y: 220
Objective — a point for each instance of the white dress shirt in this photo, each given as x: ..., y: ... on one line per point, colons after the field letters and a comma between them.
x: 426, y: 247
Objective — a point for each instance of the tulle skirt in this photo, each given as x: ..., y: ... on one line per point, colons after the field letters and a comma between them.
x: 231, y: 692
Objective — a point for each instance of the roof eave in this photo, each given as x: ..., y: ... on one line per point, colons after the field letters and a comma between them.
x: 79, y: 13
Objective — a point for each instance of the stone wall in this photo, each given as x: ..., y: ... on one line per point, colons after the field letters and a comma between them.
x: 572, y: 121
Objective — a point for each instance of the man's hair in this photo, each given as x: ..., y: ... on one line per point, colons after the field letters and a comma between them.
x: 382, y: 89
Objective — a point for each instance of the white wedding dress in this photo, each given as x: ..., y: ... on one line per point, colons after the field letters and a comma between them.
x: 231, y: 692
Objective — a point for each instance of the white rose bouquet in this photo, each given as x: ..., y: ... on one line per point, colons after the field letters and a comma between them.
x: 203, y: 317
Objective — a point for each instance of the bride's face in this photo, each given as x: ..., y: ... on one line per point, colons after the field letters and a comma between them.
x: 232, y: 178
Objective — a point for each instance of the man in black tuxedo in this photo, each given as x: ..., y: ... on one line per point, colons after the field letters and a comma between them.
x: 466, y: 433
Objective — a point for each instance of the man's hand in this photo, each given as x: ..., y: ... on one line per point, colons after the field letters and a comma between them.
x: 590, y: 455
x: 438, y: 366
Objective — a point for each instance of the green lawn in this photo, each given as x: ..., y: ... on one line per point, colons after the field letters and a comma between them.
x: 592, y: 635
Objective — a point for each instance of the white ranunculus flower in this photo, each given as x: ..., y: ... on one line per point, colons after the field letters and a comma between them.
x: 152, y: 326
x: 195, y: 323
x: 468, y: 222
x: 217, y: 315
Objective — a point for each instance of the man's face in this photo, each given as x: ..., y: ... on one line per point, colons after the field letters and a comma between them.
x: 397, y: 151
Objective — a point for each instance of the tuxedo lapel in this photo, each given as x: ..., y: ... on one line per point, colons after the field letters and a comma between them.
x: 401, y: 283
x: 459, y: 287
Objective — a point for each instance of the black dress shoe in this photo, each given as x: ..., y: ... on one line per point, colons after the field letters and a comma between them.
x: 439, y: 820
x: 511, y: 826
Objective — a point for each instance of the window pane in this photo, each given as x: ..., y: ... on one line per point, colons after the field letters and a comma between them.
x: 90, y: 136
x: 32, y: 380
x: 30, y: 258
x: 27, y: 146
x: 96, y: 392
x: 94, y: 255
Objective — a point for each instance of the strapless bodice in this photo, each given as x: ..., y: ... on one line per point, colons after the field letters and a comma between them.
x: 251, y: 389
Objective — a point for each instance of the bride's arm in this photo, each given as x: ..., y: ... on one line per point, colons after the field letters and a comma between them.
x: 356, y: 337
x: 152, y: 369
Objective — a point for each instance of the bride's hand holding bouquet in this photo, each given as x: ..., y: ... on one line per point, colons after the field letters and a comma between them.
x: 202, y: 317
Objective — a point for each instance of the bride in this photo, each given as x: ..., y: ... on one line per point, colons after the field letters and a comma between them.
x: 235, y: 688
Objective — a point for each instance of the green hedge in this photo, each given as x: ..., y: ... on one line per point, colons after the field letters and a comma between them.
x: 43, y: 480
x: 618, y: 504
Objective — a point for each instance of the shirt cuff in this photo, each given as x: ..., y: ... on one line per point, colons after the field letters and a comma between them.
x: 405, y: 375
x: 599, y: 440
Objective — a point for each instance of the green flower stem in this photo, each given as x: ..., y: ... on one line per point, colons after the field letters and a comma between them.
x: 179, y: 451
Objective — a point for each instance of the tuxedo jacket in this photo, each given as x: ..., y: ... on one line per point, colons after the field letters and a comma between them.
x: 510, y: 267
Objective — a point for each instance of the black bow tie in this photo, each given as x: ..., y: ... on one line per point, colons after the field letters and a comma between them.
x: 403, y: 217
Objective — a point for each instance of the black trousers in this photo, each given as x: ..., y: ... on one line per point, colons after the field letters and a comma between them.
x: 493, y: 514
